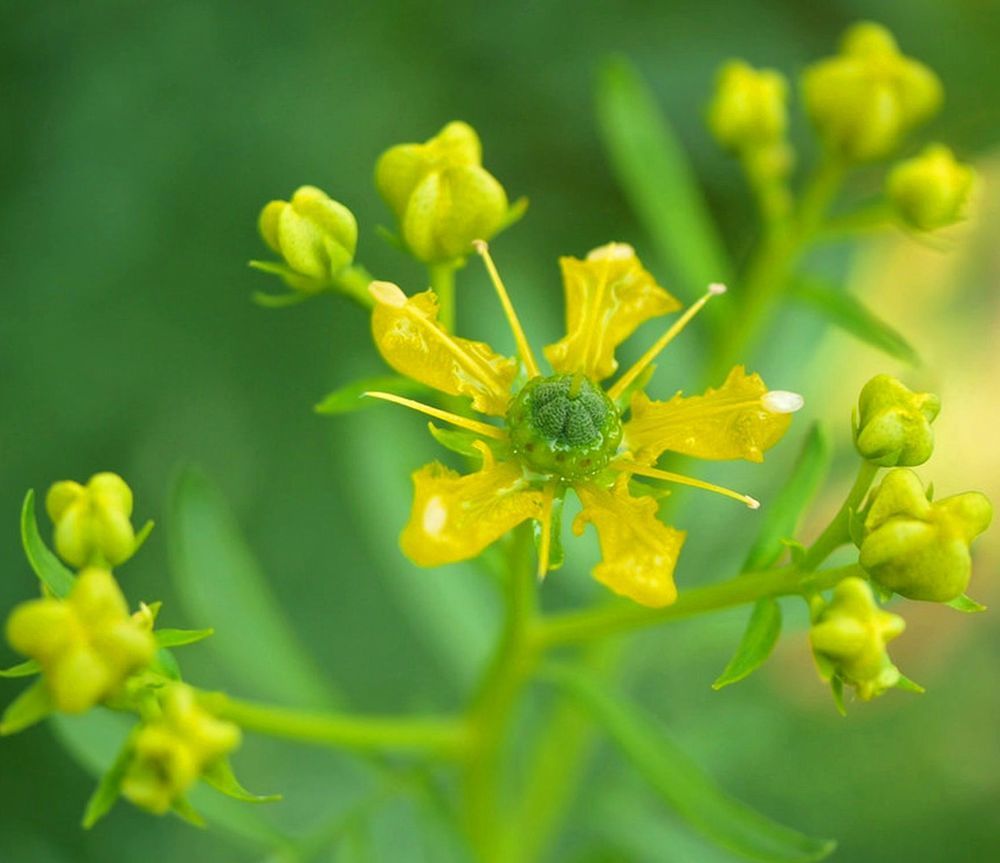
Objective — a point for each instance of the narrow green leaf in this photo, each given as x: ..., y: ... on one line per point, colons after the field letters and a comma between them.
x: 143, y: 535
x: 23, y: 669
x: 515, y: 212
x: 782, y: 514
x: 183, y: 809
x: 279, y: 301
x: 781, y: 518
x: 29, y: 708
x: 681, y: 784
x: 108, y: 788
x: 181, y: 637
x: 95, y: 740
x: 219, y: 581
x: 758, y: 641
x: 56, y: 577
x: 166, y: 664
x: 852, y: 316
x: 908, y: 685
x: 457, y: 440
x: 657, y: 178
x: 350, y: 398
x: 966, y: 605
x: 221, y: 777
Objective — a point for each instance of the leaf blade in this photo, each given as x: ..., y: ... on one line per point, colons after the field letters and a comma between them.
x: 22, y: 669
x: 682, y: 785
x: 218, y: 579
x: 759, y: 639
x: 49, y: 569
x: 108, y: 788
x: 349, y: 398
x: 781, y: 515
x: 657, y: 179
x: 29, y: 708
x: 181, y: 637
x: 852, y: 316
x: 221, y: 777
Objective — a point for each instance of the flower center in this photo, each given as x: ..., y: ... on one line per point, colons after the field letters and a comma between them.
x: 564, y: 425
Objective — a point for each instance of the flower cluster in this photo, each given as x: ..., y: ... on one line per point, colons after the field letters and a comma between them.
x: 89, y: 650
x: 863, y: 102
x: 908, y: 544
x: 564, y: 430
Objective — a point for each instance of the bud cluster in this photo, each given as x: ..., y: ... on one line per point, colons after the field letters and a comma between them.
x: 441, y: 194
x: 865, y: 99
x: 170, y: 753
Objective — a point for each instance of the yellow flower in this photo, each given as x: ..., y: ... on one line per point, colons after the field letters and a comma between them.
x: 86, y: 644
x: 565, y: 431
x: 170, y: 753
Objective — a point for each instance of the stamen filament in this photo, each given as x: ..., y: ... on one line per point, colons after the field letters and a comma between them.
x: 523, y: 348
x: 484, y: 429
x: 545, y: 541
x: 680, y: 479
x: 626, y: 379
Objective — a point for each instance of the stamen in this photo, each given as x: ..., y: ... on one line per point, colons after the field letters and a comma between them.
x: 680, y: 479
x: 471, y: 425
x: 782, y: 402
x: 523, y: 348
x: 545, y: 541
x: 623, y: 383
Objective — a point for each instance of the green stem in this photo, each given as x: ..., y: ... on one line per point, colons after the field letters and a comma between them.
x: 769, y: 271
x: 491, y: 707
x: 442, y: 278
x: 354, y: 281
x: 442, y: 737
x: 838, y: 531
x: 577, y: 626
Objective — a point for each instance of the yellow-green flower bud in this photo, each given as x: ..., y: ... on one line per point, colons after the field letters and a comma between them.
x: 170, y: 753
x: 919, y: 548
x: 849, y: 636
x: 931, y: 190
x: 92, y: 522
x: 866, y: 98
x: 893, y: 424
x: 749, y: 108
x: 315, y: 236
x: 441, y: 194
x: 86, y: 644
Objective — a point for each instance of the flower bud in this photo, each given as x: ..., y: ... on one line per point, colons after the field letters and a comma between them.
x: 170, y: 753
x: 749, y: 108
x: 848, y: 638
x: 932, y: 190
x: 92, y: 523
x: 441, y: 194
x: 919, y: 548
x: 866, y: 98
x: 86, y: 644
x: 315, y: 235
x: 893, y: 424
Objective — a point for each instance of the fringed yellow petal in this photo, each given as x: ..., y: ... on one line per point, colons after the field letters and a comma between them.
x: 740, y: 419
x: 638, y: 551
x: 455, y: 517
x: 608, y: 296
x: 409, y: 337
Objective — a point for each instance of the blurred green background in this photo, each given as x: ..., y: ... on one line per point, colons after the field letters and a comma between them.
x: 139, y: 141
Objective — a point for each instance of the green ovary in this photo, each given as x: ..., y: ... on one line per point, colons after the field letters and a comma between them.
x: 564, y: 425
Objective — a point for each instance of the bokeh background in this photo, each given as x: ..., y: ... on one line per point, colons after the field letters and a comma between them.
x: 139, y: 141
